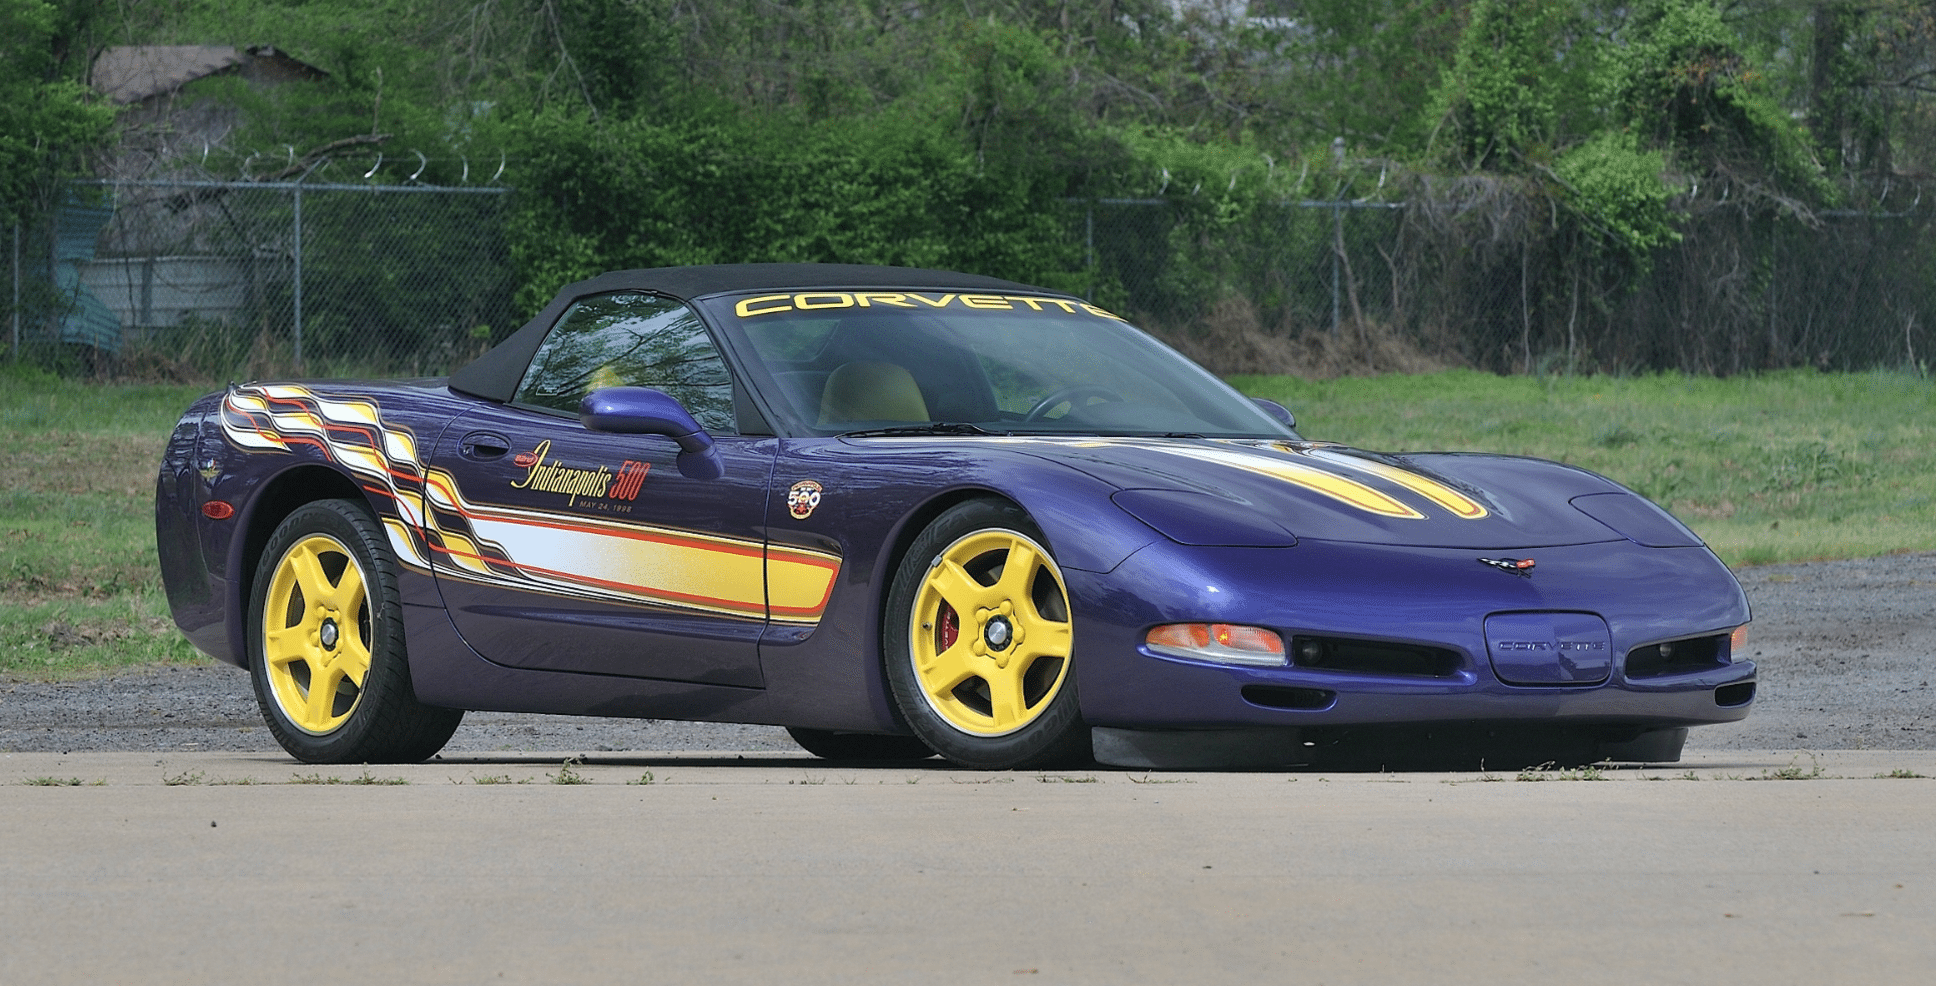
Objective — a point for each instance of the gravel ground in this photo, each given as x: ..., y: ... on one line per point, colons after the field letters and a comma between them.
x: 1845, y: 650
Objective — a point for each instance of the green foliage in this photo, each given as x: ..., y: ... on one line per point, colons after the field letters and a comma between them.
x: 1617, y: 190
x: 49, y: 122
x: 1685, y: 80
x: 721, y: 186
x: 1357, y: 69
x: 1513, y: 78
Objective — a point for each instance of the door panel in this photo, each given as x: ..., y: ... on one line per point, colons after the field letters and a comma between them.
x: 571, y: 550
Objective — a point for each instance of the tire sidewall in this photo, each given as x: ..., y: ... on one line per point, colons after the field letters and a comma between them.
x: 350, y: 525
x: 1056, y: 735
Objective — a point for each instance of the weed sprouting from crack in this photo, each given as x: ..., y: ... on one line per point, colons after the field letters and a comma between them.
x: 1147, y: 779
x: 1898, y: 774
x: 1546, y: 772
x: 365, y: 779
x: 235, y: 782
x: 566, y: 775
x: 495, y: 779
x: 1793, y: 772
x: 53, y: 782
x: 1065, y: 779
x: 187, y: 778
x: 644, y: 780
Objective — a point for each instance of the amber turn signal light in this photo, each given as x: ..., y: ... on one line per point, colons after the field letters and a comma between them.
x: 1224, y: 643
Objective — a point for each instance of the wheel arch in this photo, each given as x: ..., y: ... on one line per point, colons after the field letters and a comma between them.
x: 910, y: 527
x: 280, y: 496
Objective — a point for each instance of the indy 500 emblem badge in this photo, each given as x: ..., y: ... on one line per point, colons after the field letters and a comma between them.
x: 802, y: 498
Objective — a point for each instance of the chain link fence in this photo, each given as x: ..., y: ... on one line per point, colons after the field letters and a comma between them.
x: 212, y: 280
x: 206, y: 280
x: 1340, y: 286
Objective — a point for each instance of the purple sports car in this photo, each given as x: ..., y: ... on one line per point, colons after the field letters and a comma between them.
x: 905, y: 513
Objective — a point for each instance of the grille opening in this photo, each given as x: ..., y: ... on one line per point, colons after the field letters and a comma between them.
x: 1283, y: 697
x: 1730, y: 696
x: 1678, y: 657
x: 1374, y: 657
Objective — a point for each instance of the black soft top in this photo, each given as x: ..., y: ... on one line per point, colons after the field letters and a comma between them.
x: 494, y: 376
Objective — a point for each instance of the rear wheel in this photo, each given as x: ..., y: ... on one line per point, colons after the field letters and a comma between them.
x: 326, y: 646
x: 829, y: 745
x: 979, y: 643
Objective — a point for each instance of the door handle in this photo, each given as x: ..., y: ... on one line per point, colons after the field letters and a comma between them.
x: 483, y: 446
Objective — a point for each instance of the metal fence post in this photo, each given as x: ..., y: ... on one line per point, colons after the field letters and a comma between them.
x: 1337, y: 248
x: 16, y: 292
x: 1089, y: 249
x: 297, y: 284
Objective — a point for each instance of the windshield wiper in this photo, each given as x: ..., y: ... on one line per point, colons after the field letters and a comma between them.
x: 931, y: 428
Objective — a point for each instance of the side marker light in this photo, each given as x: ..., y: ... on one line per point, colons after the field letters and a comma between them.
x: 218, y: 510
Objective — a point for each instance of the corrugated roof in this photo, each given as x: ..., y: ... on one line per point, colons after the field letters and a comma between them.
x: 131, y: 73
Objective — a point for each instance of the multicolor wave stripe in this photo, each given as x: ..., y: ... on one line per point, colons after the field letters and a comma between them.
x: 545, y: 551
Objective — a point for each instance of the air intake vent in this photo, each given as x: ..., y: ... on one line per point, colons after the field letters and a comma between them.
x: 1373, y: 657
x: 1678, y: 657
x: 1281, y: 697
x: 1732, y: 696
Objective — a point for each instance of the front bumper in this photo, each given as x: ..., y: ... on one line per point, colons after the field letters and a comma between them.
x: 1437, y: 598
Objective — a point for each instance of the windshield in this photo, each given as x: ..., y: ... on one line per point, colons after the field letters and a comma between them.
x: 846, y: 362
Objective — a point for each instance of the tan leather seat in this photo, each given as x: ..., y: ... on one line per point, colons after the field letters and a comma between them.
x: 870, y: 391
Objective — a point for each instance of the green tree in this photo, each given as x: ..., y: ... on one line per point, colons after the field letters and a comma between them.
x: 48, y: 121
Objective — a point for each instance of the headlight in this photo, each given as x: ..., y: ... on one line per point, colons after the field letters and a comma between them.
x: 1637, y: 519
x: 1203, y: 519
x: 1224, y: 643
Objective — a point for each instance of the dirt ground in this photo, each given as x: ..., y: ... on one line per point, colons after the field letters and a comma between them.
x: 1845, y: 650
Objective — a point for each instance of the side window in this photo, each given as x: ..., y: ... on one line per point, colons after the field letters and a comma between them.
x: 631, y: 340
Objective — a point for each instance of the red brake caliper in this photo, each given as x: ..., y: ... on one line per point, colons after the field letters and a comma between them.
x: 950, y: 630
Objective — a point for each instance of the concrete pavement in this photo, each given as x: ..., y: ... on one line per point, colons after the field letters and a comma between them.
x: 1732, y: 867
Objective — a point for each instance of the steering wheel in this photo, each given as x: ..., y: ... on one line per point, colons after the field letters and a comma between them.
x: 1069, y: 395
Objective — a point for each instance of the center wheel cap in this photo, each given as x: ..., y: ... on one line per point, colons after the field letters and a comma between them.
x: 998, y: 633
x: 329, y: 633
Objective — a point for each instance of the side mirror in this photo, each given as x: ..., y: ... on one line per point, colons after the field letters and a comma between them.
x: 1278, y: 412
x: 644, y: 411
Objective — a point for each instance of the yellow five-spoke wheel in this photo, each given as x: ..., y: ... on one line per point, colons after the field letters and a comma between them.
x: 327, y: 647
x: 979, y: 644
x: 316, y: 634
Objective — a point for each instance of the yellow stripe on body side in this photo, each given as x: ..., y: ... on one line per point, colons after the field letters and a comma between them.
x: 798, y: 583
x: 685, y: 574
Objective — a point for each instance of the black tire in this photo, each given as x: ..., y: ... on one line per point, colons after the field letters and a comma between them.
x: 330, y: 571
x: 981, y: 696
x: 829, y: 745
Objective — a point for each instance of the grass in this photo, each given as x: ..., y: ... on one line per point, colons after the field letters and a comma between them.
x: 1778, y: 467
x: 1789, y: 466
x: 79, y: 593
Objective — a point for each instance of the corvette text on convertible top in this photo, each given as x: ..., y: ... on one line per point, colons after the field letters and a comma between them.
x: 773, y: 304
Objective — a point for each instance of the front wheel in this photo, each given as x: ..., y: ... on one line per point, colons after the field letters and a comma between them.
x: 979, y: 644
x: 326, y: 645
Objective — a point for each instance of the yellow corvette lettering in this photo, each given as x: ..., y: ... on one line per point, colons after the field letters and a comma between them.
x: 774, y: 304
x: 745, y: 308
x: 805, y: 302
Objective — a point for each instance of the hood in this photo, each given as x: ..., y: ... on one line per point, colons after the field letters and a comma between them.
x: 1260, y: 492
